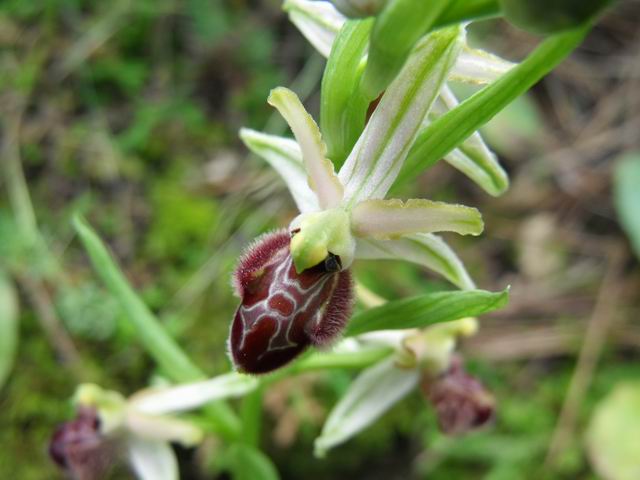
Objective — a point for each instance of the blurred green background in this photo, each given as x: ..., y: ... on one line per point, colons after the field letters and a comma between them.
x: 128, y: 111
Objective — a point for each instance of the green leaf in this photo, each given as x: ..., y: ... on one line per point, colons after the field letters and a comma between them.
x: 424, y: 310
x: 452, y: 128
x: 164, y: 350
x: 612, y: 438
x: 8, y: 326
x: 397, y: 29
x: 249, y: 463
x: 343, y: 107
x: 626, y: 192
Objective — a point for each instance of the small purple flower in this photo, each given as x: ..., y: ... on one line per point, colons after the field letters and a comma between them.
x: 78, y: 446
x: 283, y: 312
x: 461, y: 402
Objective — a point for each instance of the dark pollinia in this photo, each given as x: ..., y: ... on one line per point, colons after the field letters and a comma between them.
x: 283, y: 312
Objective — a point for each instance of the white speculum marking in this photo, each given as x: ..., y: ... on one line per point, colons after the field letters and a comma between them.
x: 282, y: 278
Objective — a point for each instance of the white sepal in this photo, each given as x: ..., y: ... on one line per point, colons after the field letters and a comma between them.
x: 473, y: 157
x: 284, y: 155
x: 423, y: 249
x: 322, y: 178
x: 478, y: 67
x: 163, y: 427
x: 387, y: 219
x: 152, y: 459
x: 374, y: 392
x: 319, y: 22
x: 157, y: 401
x: 377, y: 157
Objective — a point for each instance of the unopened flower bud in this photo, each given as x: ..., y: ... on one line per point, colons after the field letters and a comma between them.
x: 78, y: 446
x: 283, y: 312
x: 461, y: 402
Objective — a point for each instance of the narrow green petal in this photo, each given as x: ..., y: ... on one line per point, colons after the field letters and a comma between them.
x: 385, y: 219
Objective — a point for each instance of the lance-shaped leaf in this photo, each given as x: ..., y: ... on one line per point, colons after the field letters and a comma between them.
x: 385, y: 219
x: 423, y: 249
x: 472, y: 157
x: 322, y: 179
x: 319, y: 22
x: 8, y: 326
x: 381, y: 150
x: 284, y: 155
x: 374, y: 392
x: 152, y: 460
x: 343, y: 107
x: 397, y: 29
x: 451, y: 129
x: 150, y: 333
x: 193, y: 395
x: 478, y: 67
x: 425, y: 310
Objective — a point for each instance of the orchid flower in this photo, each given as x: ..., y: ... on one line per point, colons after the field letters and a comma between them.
x: 295, y: 286
x: 421, y: 357
x: 141, y: 426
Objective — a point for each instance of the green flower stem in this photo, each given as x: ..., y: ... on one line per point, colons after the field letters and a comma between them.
x: 465, y: 10
x: 164, y: 350
x: 251, y: 413
x: 452, y: 128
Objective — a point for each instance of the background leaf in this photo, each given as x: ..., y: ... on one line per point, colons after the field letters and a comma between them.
x: 626, y: 183
x: 418, y: 312
x: 8, y: 326
x: 248, y: 463
x: 613, y: 435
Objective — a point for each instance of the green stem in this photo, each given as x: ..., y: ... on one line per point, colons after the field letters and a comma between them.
x: 164, y: 350
x: 449, y: 130
x: 252, y: 417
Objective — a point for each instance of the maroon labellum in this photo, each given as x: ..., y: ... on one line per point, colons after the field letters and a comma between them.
x: 283, y: 312
x: 78, y: 447
x: 461, y: 402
